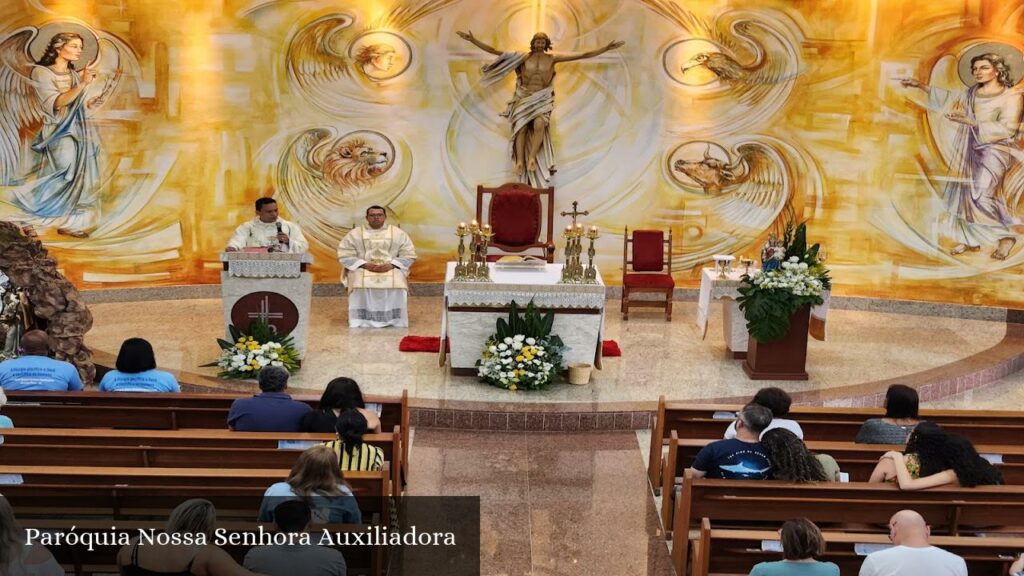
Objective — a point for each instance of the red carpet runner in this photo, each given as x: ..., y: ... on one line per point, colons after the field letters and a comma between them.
x: 609, y: 348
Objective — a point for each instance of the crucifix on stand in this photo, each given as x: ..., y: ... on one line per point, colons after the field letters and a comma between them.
x: 572, y: 270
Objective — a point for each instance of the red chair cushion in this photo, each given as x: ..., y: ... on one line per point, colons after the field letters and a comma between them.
x: 648, y: 250
x: 648, y: 281
x: 515, y: 217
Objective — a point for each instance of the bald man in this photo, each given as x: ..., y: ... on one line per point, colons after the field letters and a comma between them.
x: 35, y: 370
x: 912, y: 555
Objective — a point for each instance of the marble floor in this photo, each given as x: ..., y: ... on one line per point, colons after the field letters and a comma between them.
x: 658, y: 358
x: 550, y: 504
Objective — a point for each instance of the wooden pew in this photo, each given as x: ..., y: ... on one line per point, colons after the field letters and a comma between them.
x: 198, y: 437
x: 360, y: 559
x: 823, y: 424
x: 184, y: 456
x: 165, y: 411
x: 949, y: 510
x: 721, y: 551
x: 857, y: 460
x: 133, y: 492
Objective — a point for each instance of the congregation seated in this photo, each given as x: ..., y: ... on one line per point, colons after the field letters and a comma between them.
x: 136, y: 371
x: 341, y: 394
x: 191, y: 517
x: 294, y: 517
x: 317, y: 481
x: 271, y: 410
x: 352, y: 453
x: 742, y: 457
x: 802, y: 544
x: 793, y: 462
x: 901, y: 405
x: 35, y: 370
x: 778, y: 401
x: 17, y: 557
x: 934, y: 457
x: 912, y: 554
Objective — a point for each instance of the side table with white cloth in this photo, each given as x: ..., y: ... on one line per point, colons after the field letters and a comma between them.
x: 272, y: 287
x: 734, y: 325
x: 471, y: 311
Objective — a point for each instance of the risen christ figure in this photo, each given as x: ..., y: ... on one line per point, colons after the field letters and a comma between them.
x: 534, y: 99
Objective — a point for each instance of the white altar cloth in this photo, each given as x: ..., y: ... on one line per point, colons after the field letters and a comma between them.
x: 472, y: 308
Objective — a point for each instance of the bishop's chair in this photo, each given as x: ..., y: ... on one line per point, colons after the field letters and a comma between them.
x: 647, y: 268
x: 519, y: 217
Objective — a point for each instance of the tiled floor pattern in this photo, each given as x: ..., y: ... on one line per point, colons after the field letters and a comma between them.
x: 551, y: 504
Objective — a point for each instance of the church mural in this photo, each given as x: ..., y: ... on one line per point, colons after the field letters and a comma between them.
x: 133, y: 140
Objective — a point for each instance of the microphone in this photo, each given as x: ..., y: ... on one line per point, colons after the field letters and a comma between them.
x: 280, y: 245
x: 279, y: 227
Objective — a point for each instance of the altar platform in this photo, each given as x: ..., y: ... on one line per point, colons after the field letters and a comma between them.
x: 955, y: 362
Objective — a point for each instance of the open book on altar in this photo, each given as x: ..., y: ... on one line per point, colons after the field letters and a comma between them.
x: 521, y: 263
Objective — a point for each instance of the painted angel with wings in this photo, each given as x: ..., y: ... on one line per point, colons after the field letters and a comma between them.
x: 49, y: 160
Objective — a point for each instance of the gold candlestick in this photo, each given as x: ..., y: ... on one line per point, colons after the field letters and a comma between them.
x: 590, y: 277
x: 483, y: 269
x: 566, y: 267
x: 460, y: 265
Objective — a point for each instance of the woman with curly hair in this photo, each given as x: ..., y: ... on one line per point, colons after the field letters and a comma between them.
x: 935, y: 458
x: 793, y: 462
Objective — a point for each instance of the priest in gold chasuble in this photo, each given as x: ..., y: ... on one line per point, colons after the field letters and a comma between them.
x: 375, y: 260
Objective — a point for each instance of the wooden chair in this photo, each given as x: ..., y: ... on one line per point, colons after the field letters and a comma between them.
x: 648, y: 257
x: 519, y: 218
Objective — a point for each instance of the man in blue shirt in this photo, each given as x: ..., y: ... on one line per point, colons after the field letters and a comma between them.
x: 35, y: 371
x: 271, y: 411
x: 739, y: 458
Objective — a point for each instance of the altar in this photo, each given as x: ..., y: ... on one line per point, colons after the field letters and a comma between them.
x: 471, y: 310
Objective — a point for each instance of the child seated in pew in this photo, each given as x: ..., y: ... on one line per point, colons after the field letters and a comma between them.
x: 802, y: 543
x: 793, y: 462
x: 935, y: 458
x: 341, y: 394
x: 17, y: 557
x: 317, y: 480
x: 195, y: 516
x: 352, y: 453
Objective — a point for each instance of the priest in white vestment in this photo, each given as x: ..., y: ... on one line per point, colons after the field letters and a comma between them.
x: 267, y: 230
x: 375, y: 260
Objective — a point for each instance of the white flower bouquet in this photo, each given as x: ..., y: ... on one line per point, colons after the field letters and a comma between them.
x: 523, y: 354
x: 248, y: 353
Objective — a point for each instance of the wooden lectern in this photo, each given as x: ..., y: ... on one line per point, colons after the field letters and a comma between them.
x: 272, y: 287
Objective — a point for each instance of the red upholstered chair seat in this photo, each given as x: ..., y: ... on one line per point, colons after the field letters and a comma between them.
x: 515, y: 217
x: 647, y: 267
x: 648, y: 281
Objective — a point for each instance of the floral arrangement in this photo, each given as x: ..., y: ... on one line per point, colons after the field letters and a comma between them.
x: 790, y: 278
x: 522, y: 354
x: 248, y: 353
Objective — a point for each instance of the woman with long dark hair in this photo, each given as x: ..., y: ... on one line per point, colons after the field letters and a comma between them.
x: 341, y: 394
x: 354, y: 454
x: 793, y: 462
x: 136, y: 371
x: 935, y: 458
x: 901, y: 405
x: 317, y: 479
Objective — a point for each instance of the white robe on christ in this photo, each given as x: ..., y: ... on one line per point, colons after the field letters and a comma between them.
x: 376, y: 300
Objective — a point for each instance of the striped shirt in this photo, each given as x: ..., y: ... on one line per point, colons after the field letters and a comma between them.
x: 364, y: 458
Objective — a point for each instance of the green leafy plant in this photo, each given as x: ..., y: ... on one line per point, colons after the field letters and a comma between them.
x: 249, y: 352
x: 769, y: 297
x: 522, y: 353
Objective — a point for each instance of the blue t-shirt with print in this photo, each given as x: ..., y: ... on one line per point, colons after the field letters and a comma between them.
x: 38, y: 373
x: 734, y: 460
x: 147, y: 381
